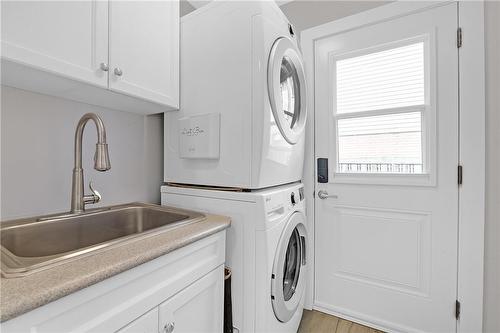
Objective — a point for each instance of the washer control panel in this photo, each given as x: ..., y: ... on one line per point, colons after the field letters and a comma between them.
x: 283, y: 201
x: 297, y: 196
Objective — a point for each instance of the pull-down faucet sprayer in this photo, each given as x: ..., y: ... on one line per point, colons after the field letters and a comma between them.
x: 101, y: 163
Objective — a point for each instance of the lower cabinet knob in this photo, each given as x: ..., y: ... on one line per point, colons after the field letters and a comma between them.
x: 169, y: 327
x: 118, y: 71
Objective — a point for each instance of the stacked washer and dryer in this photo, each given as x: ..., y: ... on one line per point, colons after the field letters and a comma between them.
x: 236, y: 148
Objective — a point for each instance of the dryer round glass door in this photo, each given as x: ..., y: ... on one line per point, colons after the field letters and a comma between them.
x: 286, y: 89
x: 288, y: 278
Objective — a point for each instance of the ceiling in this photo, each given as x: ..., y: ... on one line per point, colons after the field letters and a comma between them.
x: 200, y: 3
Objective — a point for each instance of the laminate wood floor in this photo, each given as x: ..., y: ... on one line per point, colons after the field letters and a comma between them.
x: 319, y: 322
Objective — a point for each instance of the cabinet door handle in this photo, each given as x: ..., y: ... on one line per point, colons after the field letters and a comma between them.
x: 169, y: 327
x: 118, y: 71
x: 104, y: 67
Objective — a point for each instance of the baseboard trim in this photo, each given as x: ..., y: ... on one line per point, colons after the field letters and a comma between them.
x: 363, y: 319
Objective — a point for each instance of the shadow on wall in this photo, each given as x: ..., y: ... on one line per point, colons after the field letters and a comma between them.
x: 185, y: 7
x: 37, y: 144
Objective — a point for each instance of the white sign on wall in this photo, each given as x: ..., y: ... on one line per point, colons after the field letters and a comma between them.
x: 199, y: 136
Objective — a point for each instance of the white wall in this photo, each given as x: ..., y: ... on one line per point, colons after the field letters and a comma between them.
x: 492, y: 227
x: 37, y: 140
x: 309, y: 13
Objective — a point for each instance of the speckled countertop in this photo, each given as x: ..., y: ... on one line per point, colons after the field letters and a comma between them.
x: 20, y: 295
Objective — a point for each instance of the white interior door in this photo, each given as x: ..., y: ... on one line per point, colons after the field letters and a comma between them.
x: 386, y: 117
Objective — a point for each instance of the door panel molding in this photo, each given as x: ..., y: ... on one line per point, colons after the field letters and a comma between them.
x: 414, y: 231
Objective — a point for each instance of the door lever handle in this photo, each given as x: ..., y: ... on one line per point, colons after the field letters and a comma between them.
x: 324, y: 195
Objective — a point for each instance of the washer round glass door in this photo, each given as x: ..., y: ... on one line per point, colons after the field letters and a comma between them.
x: 288, y: 278
x: 286, y: 89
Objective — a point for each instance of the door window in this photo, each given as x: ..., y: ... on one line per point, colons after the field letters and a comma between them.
x: 379, y: 109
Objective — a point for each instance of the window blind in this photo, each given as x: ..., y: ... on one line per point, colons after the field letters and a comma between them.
x: 381, y: 80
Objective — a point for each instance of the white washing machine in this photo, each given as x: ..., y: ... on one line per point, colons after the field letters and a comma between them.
x: 265, y: 248
x: 243, y: 101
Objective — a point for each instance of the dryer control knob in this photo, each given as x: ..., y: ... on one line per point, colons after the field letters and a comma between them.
x: 292, y: 198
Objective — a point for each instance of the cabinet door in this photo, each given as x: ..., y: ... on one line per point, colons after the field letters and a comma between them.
x: 147, y: 323
x: 68, y: 38
x: 144, y: 50
x: 198, y: 308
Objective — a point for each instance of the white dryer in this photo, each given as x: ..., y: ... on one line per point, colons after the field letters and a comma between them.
x: 265, y: 248
x: 243, y: 101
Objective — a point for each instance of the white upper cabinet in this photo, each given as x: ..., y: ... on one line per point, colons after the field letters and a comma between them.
x: 117, y: 54
x: 70, y: 38
x: 144, y: 49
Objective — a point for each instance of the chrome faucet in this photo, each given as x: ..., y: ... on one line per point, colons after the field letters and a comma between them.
x: 101, y: 163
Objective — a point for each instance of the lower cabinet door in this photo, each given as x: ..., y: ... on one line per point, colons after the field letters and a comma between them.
x: 147, y: 323
x: 197, y: 308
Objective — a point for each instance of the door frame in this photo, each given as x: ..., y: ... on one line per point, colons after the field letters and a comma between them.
x: 471, y: 144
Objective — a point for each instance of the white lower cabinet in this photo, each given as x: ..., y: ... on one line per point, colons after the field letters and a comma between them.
x: 182, y: 291
x: 198, y: 308
x: 147, y: 323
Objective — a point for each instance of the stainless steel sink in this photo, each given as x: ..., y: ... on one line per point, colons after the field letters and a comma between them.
x: 32, y: 244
